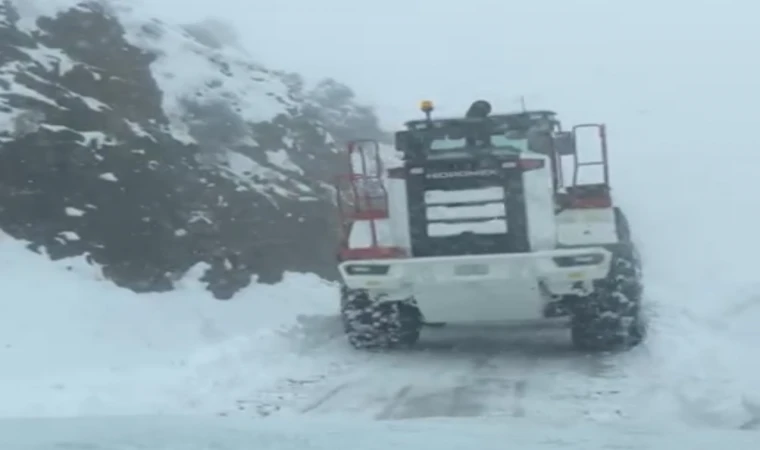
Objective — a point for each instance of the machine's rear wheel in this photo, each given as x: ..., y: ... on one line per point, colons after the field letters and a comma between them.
x: 378, y: 325
x: 611, y: 318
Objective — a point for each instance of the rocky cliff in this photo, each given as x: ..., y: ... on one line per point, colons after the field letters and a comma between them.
x: 150, y: 147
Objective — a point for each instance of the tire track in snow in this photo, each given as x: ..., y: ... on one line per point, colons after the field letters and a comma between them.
x: 535, y: 373
x: 521, y: 389
x: 459, y: 394
x: 528, y: 373
x: 390, y: 408
x: 326, y: 397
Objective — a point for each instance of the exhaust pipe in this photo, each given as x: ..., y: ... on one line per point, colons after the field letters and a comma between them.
x: 480, y: 109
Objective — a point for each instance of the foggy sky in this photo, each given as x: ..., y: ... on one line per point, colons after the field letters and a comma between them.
x: 677, y: 82
x: 583, y: 56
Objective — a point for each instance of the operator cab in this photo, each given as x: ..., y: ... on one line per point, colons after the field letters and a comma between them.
x: 465, y: 178
x: 475, y: 136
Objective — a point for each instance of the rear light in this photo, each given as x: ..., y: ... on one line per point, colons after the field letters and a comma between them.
x: 367, y: 269
x: 579, y: 260
x: 586, y: 196
x: 601, y: 201
x: 531, y: 164
x: 347, y: 254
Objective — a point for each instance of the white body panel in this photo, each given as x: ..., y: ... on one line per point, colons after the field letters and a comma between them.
x: 592, y: 226
x: 539, y: 205
x: 399, y: 216
x: 509, y: 288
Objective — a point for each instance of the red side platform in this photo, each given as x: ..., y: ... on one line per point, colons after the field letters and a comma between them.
x: 362, y: 196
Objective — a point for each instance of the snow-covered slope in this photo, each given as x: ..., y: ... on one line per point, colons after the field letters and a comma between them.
x: 119, y: 131
x: 74, y: 344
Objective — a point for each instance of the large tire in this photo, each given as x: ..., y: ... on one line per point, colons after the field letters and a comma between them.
x: 611, y: 317
x: 378, y: 325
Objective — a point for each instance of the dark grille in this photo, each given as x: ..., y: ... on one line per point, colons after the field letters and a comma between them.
x: 448, y: 179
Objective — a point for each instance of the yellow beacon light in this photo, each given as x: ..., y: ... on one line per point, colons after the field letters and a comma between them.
x: 426, y: 106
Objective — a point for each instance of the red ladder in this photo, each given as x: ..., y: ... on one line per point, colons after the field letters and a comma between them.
x: 362, y: 196
x: 589, y: 195
x: 602, y: 130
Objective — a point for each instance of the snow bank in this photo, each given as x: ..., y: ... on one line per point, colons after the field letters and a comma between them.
x: 73, y: 344
x: 690, y: 210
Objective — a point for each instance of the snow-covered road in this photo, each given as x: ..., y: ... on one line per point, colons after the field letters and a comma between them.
x: 533, y: 373
x: 279, y: 351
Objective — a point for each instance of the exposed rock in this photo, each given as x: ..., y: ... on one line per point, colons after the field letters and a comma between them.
x: 150, y: 147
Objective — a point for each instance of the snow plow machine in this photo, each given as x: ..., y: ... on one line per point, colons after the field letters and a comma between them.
x: 486, y: 221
